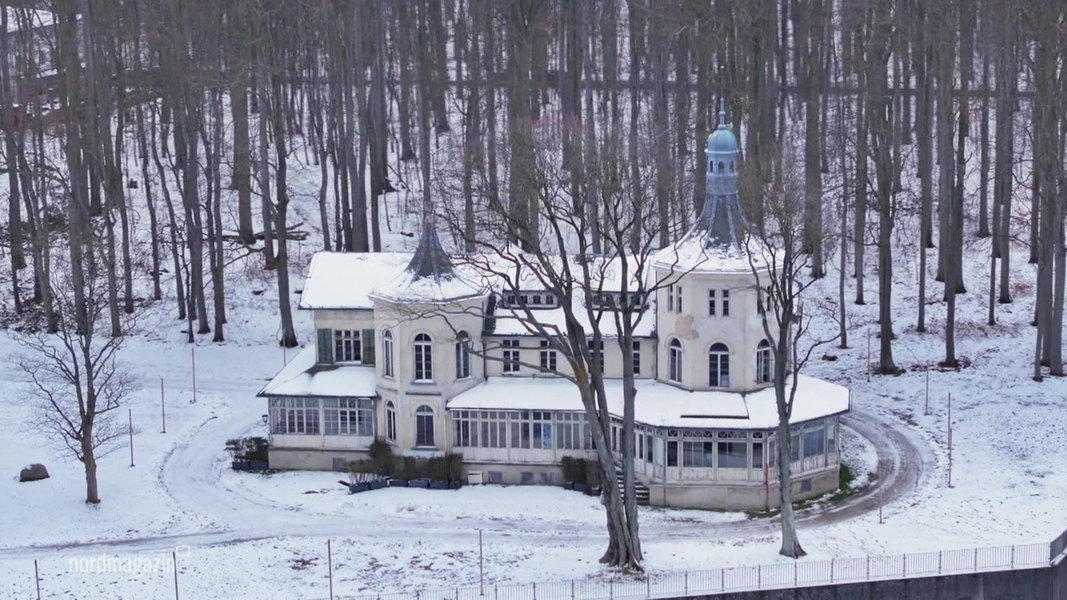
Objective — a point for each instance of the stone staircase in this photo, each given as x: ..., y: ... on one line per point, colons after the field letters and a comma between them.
x: 640, y: 489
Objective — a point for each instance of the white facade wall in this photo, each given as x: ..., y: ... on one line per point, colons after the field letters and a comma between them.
x: 741, y: 331
x: 405, y: 322
x: 615, y: 361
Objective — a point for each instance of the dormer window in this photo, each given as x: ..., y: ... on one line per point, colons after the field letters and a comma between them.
x: 614, y: 301
x: 531, y: 300
x: 345, y: 346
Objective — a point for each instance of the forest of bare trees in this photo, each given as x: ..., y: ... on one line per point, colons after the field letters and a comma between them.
x: 152, y: 142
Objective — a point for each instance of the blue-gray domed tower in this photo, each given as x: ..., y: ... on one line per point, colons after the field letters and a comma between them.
x: 721, y: 222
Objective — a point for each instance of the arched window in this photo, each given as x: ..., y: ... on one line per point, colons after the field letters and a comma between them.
x: 722, y: 166
x: 719, y: 366
x: 463, y: 355
x: 764, y: 362
x: 387, y: 354
x: 424, y: 426
x: 423, y: 358
x: 674, y: 361
x: 390, y: 421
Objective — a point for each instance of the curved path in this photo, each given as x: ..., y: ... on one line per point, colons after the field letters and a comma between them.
x: 191, y: 476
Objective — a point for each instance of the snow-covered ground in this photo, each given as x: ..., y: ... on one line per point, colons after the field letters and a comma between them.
x: 265, y: 536
x: 244, y: 535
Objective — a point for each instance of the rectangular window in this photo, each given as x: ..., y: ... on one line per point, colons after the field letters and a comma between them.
x: 390, y: 422
x: 815, y: 442
x: 711, y: 303
x: 757, y: 455
x: 295, y: 416
x: 733, y: 455
x: 698, y: 454
x: 548, y: 357
x: 635, y: 358
x: 648, y: 448
x: 511, y: 355
x: 726, y: 303
x: 678, y: 299
x: 670, y: 298
x: 494, y: 429
x: 570, y: 431
x: 347, y: 346
x: 466, y: 425
x: 540, y: 429
x: 348, y: 416
x: 596, y: 354
x: 672, y: 454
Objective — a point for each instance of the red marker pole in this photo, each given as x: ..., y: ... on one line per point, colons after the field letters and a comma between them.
x: 926, y: 407
x: 130, y: 411
x: 192, y: 353
x: 950, y: 440
x: 163, y: 404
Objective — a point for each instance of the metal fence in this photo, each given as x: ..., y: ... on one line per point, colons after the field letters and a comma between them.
x: 757, y: 578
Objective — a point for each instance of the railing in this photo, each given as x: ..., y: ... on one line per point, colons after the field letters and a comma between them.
x: 1058, y: 547
x: 756, y: 578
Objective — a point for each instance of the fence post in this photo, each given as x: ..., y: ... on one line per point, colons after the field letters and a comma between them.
x: 572, y: 589
x: 329, y: 565
x: 759, y: 577
x: 904, y: 568
x: 37, y: 578
x: 686, y: 581
x: 868, y: 567
x: 648, y: 585
x: 611, y: 589
x: 1013, y: 556
x: 174, y: 564
x: 534, y: 590
x: 939, y: 553
x: 976, y: 560
x: 832, y: 569
x: 795, y: 573
x: 722, y: 579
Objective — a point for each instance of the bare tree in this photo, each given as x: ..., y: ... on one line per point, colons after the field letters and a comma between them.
x: 76, y: 378
x: 779, y: 264
x: 562, y: 262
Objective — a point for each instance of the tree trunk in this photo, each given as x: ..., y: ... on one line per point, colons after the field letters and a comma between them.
x: 242, y: 155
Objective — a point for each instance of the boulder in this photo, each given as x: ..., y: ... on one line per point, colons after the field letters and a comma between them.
x: 34, y: 472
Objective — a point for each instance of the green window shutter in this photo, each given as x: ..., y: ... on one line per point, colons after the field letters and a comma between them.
x: 325, y: 346
x: 367, y: 337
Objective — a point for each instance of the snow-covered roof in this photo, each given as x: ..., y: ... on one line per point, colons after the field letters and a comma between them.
x: 408, y: 286
x: 691, y: 255
x: 511, y: 321
x: 659, y: 404
x: 346, y: 279
x: 302, y: 377
x: 17, y: 16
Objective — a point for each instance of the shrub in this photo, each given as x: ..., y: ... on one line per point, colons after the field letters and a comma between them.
x: 253, y: 448
x: 574, y: 469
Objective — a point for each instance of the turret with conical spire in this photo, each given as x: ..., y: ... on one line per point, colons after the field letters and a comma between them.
x: 430, y: 275
x: 430, y: 259
x: 721, y: 222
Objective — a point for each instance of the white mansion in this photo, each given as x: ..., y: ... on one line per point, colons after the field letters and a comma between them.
x: 409, y: 350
